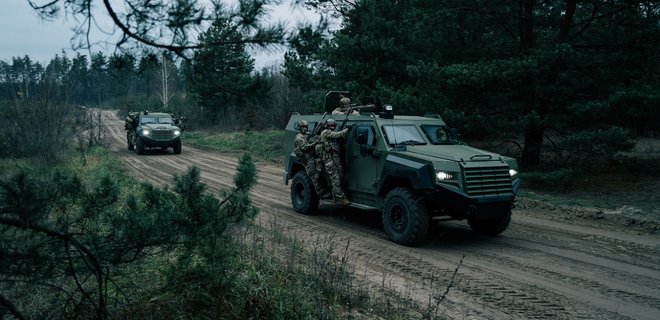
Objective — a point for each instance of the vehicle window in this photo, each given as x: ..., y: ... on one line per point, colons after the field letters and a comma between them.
x: 165, y: 120
x: 145, y: 120
x: 439, y: 134
x: 403, y: 134
x: 366, y: 136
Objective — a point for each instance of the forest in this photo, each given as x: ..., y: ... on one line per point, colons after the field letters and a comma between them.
x: 567, y: 87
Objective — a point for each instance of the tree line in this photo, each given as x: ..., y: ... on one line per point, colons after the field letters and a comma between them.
x: 549, y: 78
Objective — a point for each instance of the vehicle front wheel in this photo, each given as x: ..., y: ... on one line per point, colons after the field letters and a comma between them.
x: 177, y: 147
x: 140, y: 146
x: 303, y: 196
x: 405, y: 218
x: 492, y: 227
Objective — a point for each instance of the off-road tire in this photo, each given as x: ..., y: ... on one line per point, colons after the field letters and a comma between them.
x: 303, y: 196
x: 491, y: 227
x: 405, y: 218
x: 140, y: 146
x: 177, y: 147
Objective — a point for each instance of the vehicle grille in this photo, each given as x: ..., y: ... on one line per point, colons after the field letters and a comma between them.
x: 162, y: 134
x: 488, y: 181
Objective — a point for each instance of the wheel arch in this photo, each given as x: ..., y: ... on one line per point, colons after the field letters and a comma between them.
x: 413, y: 174
x: 293, y: 166
x: 391, y: 182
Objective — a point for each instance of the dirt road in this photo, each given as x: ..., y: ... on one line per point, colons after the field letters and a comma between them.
x: 538, y: 269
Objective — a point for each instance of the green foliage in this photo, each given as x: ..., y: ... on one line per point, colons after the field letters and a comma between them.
x: 636, y: 107
x: 221, y: 74
x: 559, y: 179
x: 90, y: 222
x: 589, y: 149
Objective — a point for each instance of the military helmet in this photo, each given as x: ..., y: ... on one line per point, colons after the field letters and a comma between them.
x: 330, y: 123
x: 303, y: 123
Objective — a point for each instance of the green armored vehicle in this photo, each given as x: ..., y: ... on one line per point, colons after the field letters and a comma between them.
x: 414, y: 170
x: 152, y: 130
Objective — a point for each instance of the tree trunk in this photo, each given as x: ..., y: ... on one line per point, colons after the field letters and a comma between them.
x: 531, y: 154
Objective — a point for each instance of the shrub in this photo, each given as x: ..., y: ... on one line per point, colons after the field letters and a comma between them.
x: 72, y: 229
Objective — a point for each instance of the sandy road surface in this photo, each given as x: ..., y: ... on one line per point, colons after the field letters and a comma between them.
x: 537, y: 269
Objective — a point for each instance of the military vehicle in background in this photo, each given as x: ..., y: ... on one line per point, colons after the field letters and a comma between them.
x: 152, y: 130
x: 413, y: 169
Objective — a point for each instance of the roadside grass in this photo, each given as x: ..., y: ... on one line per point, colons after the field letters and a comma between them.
x: 284, y: 278
x: 278, y: 276
x: 264, y: 145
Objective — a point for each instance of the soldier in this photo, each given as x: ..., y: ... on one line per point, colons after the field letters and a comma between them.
x: 131, y: 122
x: 331, y: 162
x: 440, y: 135
x: 344, y: 106
x: 305, y: 151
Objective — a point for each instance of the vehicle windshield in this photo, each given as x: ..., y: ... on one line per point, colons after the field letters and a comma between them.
x: 440, y: 134
x: 152, y: 120
x: 166, y: 120
x: 403, y: 134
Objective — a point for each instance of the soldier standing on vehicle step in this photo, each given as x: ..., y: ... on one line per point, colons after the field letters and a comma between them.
x: 331, y: 160
x: 304, y: 150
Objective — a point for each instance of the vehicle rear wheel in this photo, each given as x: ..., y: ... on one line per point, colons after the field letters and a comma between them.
x: 140, y: 146
x: 492, y: 227
x: 303, y: 196
x: 405, y: 218
x: 177, y: 147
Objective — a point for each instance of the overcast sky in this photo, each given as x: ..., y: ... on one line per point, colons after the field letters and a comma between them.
x: 22, y: 33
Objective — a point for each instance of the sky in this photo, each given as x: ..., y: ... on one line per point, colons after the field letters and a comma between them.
x: 22, y: 33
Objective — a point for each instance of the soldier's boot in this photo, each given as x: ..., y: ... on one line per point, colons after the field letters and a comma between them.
x: 325, y: 194
x: 343, y: 201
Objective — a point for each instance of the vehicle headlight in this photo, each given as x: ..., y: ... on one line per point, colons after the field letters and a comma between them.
x: 513, y: 172
x: 145, y: 132
x: 177, y: 132
x: 442, y: 175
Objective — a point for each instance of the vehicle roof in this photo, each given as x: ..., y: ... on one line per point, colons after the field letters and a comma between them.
x: 158, y: 114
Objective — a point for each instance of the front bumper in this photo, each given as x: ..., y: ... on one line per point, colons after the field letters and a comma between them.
x: 454, y: 202
x: 149, y: 142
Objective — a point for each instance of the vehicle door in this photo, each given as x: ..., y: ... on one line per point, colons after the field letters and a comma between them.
x: 363, y: 161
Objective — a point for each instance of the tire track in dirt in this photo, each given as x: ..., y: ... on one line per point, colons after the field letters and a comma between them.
x: 537, y: 269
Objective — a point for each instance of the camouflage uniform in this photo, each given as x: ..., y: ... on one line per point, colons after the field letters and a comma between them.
x: 332, y: 162
x: 304, y: 150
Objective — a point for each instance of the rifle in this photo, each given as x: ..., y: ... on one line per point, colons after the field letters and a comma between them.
x: 349, y: 110
x: 319, y: 126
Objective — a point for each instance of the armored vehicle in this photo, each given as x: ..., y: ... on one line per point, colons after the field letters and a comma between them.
x: 152, y: 130
x: 413, y: 169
